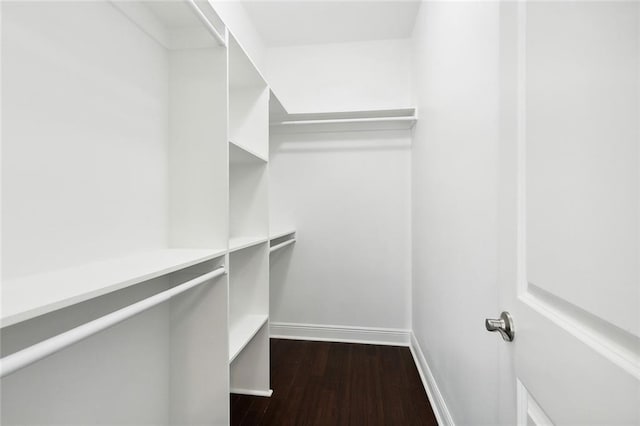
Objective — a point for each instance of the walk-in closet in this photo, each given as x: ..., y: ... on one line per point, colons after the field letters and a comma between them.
x: 350, y: 212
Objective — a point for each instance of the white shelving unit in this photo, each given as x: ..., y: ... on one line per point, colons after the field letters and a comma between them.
x: 118, y: 193
x: 280, y: 234
x: 149, y: 167
x: 248, y: 148
x: 249, y: 225
x: 243, y: 331
x: 240, y: 155
x: 242, y: 243
x: 280, y: 240
x: 248, y: 186
x: 275, y: 246
x: 342, y: 121
x: 28, y: 297
x: 248, y: 103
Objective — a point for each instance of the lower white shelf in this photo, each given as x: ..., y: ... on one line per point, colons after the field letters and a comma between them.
x: 28, y: 297
x: 238, y: 154
x: 241, y: 333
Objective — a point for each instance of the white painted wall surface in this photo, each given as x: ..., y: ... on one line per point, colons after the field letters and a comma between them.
x: 341, y: 76
x: 84, y: 137
x: 454, y: 164
x: 348, y: 195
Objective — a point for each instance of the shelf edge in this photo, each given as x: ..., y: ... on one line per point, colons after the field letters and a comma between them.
x: 251, y: 243
x: 256, y: 156
x: 259, y: 324
x: 281, y: 234
x: 73, y: 299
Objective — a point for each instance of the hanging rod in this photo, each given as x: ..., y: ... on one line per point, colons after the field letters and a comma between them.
x: 16, y: 361
x: 220, y: 39
x: 281, y: 245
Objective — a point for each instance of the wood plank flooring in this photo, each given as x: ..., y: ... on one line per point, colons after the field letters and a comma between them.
x: 323, y: 383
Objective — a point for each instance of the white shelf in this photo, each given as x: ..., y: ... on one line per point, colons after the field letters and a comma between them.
x: 238, y: 154
x: 276, y: 109
x: 176, y: 24
x: 353, y: 114
x: 241, y: 333
x: 35, y: 295
x: 339, y: 121
x: 280, y: 234
x: 239, y: 243
x: 243, y: 72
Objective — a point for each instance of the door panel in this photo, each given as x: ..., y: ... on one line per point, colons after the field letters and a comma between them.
x: 582, y: 155
x: 570, y: 227
x: 572, y: 383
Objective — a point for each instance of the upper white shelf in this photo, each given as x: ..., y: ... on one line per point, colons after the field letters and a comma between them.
x: 28, y: 297
x: 181, y: 24
x: 242, y: 71
x: 341, y: 121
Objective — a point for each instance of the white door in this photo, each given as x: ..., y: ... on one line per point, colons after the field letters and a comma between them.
x: 569, y: 212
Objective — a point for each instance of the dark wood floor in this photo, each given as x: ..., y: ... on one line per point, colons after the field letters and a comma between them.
x: 320, y: 383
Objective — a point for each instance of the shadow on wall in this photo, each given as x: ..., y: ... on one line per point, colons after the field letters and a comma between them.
x: 388, y: 140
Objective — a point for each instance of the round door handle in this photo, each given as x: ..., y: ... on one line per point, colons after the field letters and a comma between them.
x: 503, y: 325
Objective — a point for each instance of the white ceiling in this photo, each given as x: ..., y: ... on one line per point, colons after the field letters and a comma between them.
x: 295, y: 22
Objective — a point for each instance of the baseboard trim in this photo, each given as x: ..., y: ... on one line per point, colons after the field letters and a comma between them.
x: 252, y: 392
x: 433, y: 392
x: 376, y: 336
x: 335, y: 333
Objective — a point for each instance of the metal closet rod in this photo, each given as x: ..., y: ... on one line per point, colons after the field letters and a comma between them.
x: 281, y: 245
x: 16, y: 361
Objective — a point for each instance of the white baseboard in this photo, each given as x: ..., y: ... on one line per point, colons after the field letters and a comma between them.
x: 252, y: 392
x: 335, y: 333
x: 435, y: 397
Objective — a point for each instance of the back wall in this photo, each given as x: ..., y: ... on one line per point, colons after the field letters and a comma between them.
x: 348, y: 194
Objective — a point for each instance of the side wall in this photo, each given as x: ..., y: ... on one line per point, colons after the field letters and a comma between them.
x: 454, y: 177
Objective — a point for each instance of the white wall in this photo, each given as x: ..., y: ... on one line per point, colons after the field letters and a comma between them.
x: 347, y: 194
x: 341, y: 76
x: 454, y: 164
x: 84, y: 97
